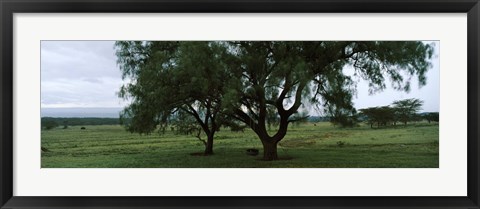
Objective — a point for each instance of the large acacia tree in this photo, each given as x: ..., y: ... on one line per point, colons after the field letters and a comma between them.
x: 265, y: 78
x: 289, y: 75
x: 172, y: 77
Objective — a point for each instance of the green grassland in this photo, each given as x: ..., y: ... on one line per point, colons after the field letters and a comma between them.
x: 305, y: 146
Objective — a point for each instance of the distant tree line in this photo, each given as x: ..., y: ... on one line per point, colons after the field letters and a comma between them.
x: 401, y: 111
x: 50, y: 122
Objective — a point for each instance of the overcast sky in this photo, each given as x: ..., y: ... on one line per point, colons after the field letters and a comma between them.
x: 79, y: 74
x: 85, y: 74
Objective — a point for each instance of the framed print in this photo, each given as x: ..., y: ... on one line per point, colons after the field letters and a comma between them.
x: 265, y: 104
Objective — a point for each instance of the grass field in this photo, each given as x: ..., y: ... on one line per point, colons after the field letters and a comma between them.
x: 306, y: 145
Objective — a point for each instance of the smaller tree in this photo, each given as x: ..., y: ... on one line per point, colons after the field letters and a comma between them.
x: 368, y: 115
x: 49, y: 124
x: 386, y: 115
x: 381, y: 116
x: 168, y: 77
x: 407, y: 109
x: 344, y: 120
x: 65, y: 124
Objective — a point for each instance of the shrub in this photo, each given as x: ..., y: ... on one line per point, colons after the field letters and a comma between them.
x: 47, y: 125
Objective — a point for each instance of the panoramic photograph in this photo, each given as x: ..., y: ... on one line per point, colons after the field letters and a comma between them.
x: 240, y: 104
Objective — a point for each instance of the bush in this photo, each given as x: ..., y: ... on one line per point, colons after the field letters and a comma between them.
x: 345, y: 121
x: 50, y: 124
x: 432, y: 116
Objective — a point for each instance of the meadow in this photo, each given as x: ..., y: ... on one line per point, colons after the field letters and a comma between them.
x: 306, y: 145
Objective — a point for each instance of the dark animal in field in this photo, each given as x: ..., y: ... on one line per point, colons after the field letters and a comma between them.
x: 314, y: 124
x: 83, y: 128
x: 252, y: 152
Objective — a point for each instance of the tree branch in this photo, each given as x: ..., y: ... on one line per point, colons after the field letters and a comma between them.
x: 200, y: 138
x: 286, y: 88
x: 195, y: 114
x: 298, y: 98
x: 247, y: 120
x: 249, y: 108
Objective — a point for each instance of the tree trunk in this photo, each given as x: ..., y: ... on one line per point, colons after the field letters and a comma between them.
x: 270, y: 142
x: 269, y: 151
x: 209, y: 145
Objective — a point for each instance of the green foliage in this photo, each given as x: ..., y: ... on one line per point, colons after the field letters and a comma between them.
x: 407, y: 109
x: 343, y: 117
x: 166, y: 77
x: 173, y: 77
x: 272, y: 118
x: 402, y: 110
x: 260, y: 83
x: 382, y: 116
x: 65, y: 124
x: 432, y: 116
x: 344, y: 120
x: 49, y: 124
x: 185, y: 124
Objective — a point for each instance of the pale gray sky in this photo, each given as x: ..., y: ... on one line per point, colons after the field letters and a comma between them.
x: 79, y: 74
x: 85, y: 74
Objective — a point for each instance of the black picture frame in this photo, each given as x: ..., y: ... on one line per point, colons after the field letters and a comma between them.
x: 9, y: 7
